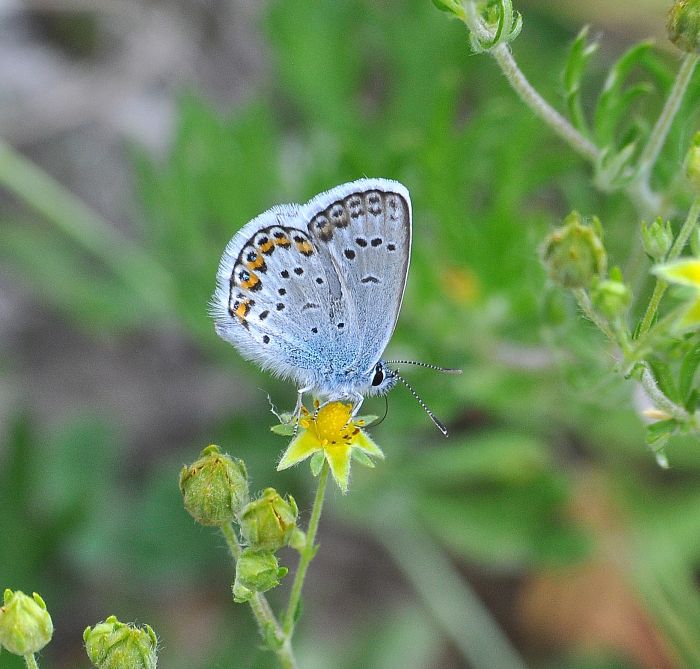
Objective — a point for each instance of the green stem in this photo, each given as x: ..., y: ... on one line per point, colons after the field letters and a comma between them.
x: 677, y: 248
x: 136, y: 268
x: 658, y: 397
x: 31, y: 661
x: 584, y: 301
x: 659, y: 132
x: 541, y: 107
x: 307, y: 553
x: 260, y: 606
x: 454, y: 605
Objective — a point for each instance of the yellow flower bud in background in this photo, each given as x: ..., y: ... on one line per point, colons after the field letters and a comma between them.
x: 268, y: 523
x: 215, y: 487
x: 684, y: 25
x: 116, y: 645
x: 25, y: 624
x: 574, y: 253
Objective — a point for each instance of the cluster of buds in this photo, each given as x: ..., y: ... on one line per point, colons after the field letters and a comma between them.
x: 215, y: 492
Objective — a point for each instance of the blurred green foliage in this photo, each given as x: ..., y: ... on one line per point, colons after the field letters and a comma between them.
x: 377, y: 89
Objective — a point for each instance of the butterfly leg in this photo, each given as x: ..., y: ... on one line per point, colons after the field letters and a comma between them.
x: 297, y: 409
x: 357, y: 403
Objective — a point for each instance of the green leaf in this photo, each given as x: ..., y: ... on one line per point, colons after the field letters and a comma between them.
x: 283, y: 429
x: 362, y: 457
x: 658, y: 433
x: 317, y: 460
x: 615, y: 100
x: 580, y: 53
x: 686, y: 376
x: 665, y: 378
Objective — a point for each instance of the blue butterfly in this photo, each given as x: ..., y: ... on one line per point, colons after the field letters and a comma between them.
x: 312, y: 292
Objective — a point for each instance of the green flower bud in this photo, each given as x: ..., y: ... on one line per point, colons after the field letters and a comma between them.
x: 115, y: 645
x: 268, y: 523
x: 574, y: 253
x: 692, y: 164
x: 25, y: 624
x: 684, y: 25
x: 657, y: 238
x: 256, y: 571
x: 611, y: 297
x: 215, y: 487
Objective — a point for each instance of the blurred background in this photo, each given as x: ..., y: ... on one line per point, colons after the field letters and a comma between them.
x: 542, y: 533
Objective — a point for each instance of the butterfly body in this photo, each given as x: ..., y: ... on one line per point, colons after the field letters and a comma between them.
x: 312, y: 292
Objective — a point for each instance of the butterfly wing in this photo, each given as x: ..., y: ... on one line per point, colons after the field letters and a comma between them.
x: 271, y: 299
x: 363, y: 230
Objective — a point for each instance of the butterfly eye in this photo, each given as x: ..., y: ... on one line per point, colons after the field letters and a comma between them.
x: 378, y: 375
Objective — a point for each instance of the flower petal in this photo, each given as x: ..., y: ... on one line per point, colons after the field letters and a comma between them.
x: 300, y: 448
x: 684, y: 272
x: 364, y: 443
x: 338, y: 458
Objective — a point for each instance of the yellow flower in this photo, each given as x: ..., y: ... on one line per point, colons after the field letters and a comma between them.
x: 331, y: 432
x: 685, y: 272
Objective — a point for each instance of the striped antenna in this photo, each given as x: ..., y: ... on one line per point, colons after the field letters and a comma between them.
x: 444, y: 370
x: 438, y: 423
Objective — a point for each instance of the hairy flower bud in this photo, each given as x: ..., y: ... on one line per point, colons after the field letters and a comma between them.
x: 268, y: 523
x: 657, y: 238
x: 256, y: 571
x: 611, y: 297
x: 215, y: 487
x: 684, y: 25
x: 25, y: 624
x: 574, y: 253
x: 116, y: 645
x: 692, y: 164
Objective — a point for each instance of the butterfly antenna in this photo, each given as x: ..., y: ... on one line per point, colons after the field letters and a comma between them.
x: 444, y: 370
x: 438, y: 423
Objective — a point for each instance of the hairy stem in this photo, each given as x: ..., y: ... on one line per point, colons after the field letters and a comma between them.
x: 260, y: 606
x: 31, y: 662
x: 540, y: 106
x: 307, y: 552
x: 657, y: 137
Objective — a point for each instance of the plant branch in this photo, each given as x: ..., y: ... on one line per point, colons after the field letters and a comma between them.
x: 657, y: 137
x: 307, y: 553
x: 31, y: 661
x: 262, y: 611
x: 658, y: 397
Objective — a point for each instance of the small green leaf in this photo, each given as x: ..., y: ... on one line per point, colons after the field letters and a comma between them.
x: 664, y: 376
x: 298, y: 610
x: 283, y: 429
x: 317, y: 462
x: 365, y: 421
x: 576, y: 63
x: 362, y: 457
x: 687, y: 372
x: 658, y: 433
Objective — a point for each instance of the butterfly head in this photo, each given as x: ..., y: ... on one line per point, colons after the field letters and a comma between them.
x: 381, y: 379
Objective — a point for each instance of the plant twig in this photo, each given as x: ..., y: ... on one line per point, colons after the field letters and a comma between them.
x: 31, y: 662
x: 260, y: 606
x: 658, y: 134
x: 307, y: 552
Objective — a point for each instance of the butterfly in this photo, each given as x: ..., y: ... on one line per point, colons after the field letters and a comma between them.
x: 312, y: 292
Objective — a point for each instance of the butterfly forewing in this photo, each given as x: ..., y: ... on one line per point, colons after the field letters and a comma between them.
x: 364, y: 230
x: 313, y: 290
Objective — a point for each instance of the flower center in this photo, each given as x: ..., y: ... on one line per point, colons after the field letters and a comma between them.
x: 332, y: 424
